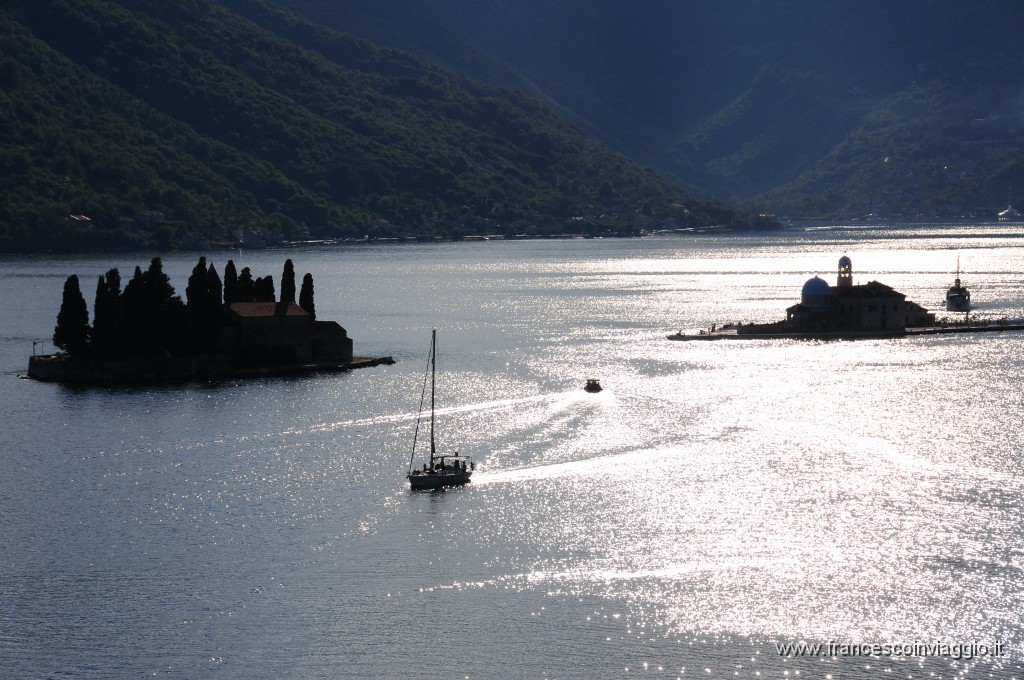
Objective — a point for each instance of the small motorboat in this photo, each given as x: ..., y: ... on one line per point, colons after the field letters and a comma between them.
x: 593, y: 385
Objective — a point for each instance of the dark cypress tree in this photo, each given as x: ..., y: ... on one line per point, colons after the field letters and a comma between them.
x: 163, y: 313
x: 196, y: 300
x: 113, y: 281
x: 306, y: 296
x: 71, y: 333
x: 264, y: 288
x: 214, y: 288
x: 213, y: 307
x: 195, y: 292
x: 132, y: 311
x: 288, y: 282
x: 134, y: 287
x: 97, y: 344
x: 148, y: 322
x: 230, y: 283
x: 108, y: 316
x: 157, y: 285
x: 245, y: 291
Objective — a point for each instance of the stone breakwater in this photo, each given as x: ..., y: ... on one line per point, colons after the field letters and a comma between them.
x: 58, y: 368
x: 737, y: 334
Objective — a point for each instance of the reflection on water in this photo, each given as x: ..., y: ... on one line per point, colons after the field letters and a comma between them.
x: 713, y: 500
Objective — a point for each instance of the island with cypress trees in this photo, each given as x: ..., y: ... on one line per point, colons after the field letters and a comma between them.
x: 224, y: 328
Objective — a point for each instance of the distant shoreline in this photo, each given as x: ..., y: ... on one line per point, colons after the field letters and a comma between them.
x: 788, y: 225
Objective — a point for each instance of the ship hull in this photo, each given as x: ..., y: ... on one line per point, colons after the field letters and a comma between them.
x: 438, y: 480
x: 958, y: 303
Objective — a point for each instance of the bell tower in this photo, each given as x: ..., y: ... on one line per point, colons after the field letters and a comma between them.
x: 845, y: 278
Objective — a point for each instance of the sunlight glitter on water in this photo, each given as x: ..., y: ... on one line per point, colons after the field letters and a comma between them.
x: 780, y: 473
x: 715, y: 498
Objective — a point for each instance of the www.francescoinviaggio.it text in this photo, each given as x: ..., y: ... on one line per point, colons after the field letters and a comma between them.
x: 967, y: 650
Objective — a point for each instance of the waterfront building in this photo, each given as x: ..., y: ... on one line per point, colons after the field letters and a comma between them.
x: 846, y: 307
x: 868, y: 307
x: 281, y: 332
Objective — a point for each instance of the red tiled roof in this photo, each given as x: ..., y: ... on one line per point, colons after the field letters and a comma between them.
x: 264, y: 309
x: 869, y: 289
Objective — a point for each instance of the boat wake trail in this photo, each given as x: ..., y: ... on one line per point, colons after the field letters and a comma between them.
x: 411, y: 416
x: 559, y: 401
x: 611, y: 464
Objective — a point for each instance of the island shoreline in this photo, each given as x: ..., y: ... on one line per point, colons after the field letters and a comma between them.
x: 731, y: 334
x: 57, y: 368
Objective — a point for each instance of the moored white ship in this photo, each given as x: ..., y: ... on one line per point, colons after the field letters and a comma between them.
x: 958, y: 298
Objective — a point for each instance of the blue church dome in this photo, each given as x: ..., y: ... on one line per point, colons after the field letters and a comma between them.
x: 816, y: 286
x: 816, y: 293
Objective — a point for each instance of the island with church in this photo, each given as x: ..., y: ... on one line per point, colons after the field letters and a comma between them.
x: 235, y: 327
x: 848, y: 311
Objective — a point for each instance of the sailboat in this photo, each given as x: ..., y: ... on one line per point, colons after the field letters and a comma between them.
x: 958, y: 298
x: 1011, y: 214
x: 443, y: 469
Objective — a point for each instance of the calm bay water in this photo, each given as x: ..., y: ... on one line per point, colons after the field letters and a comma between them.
x: 717, y: 499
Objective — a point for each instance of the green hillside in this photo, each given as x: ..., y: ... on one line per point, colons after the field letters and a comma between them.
x: 800, y: 107
x: 927, y: 151
x: 167, y: 121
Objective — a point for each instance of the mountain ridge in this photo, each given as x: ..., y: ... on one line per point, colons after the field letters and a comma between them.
x: 648, y: 79
x: 181, y: 121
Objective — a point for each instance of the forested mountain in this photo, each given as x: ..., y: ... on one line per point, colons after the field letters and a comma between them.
x: 800, y: 106
x: 168, y: 121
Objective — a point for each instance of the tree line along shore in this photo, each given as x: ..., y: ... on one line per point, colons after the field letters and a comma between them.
x: 235, y: 327
x: 148, y: 319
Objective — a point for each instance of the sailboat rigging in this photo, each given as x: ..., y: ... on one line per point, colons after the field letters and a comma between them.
x: 443, y: 469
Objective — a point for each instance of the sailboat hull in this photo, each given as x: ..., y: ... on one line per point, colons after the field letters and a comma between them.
x: 438, y: 480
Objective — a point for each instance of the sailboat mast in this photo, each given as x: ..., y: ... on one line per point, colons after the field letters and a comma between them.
x: 433, y: 364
